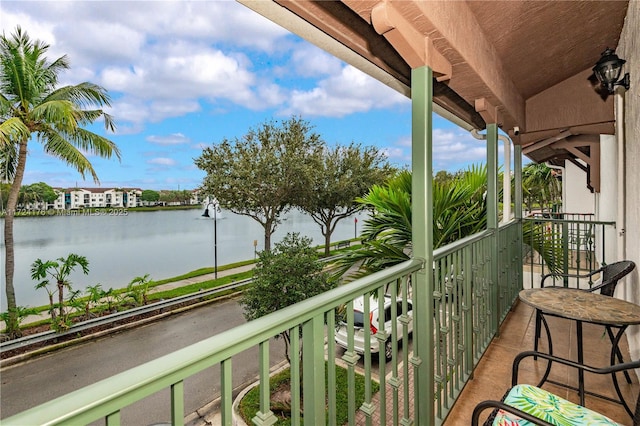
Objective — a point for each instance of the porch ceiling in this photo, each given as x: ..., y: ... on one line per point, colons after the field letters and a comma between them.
x: 528, y: 62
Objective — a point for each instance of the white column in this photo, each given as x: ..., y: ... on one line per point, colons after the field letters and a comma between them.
x: 607, y: 200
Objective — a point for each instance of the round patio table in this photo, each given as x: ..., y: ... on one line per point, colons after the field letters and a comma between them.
x: 583, y: 306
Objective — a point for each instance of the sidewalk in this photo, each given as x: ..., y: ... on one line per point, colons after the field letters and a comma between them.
x: 168, y: 286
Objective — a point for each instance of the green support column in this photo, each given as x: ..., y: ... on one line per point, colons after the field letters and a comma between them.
x: 422, y: 224
x: 492, y: 217
x: 517, y: 176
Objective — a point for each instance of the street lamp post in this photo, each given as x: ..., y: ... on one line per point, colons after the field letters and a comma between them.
x: 215, y: 235
x: 355, y: 227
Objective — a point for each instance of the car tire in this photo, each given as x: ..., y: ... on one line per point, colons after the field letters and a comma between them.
x: 388, y: 350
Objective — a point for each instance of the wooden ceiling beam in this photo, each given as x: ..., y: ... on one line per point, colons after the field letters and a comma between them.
x: 478, y: 71
x: 415, y: 47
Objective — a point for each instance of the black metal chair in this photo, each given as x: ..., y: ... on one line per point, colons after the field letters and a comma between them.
x: 611, y: 274
x: 542, y: 407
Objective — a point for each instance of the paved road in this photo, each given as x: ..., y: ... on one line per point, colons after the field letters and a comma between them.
x: 47, y: 377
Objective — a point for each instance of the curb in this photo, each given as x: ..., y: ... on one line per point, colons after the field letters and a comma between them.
x: 209, y: 414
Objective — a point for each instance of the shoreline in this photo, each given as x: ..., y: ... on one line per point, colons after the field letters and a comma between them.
x: 97, y: 211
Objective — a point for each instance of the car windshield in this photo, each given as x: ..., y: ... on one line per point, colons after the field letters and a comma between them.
x: 358, y: 319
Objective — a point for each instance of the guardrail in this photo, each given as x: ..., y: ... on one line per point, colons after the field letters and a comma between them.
x: 129, y: 313
x: 117, y: 316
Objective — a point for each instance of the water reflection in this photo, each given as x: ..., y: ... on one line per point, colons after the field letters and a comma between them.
x: 161, y: 243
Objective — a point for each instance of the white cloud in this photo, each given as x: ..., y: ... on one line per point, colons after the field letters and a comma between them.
x: 162, y: 161
x: 456, y: 146
x: 161, y: 57
x: 344, y: 93
x: 36, y: 28
x: 396, y: 154
x: 172, y: 139
x: 310, y: 61
x: 453, y: 149
x: 165, y: 59
x: 168, y: 59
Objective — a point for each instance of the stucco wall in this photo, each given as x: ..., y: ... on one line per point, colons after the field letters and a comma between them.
x: 629, y: 49
x: 577, y: 197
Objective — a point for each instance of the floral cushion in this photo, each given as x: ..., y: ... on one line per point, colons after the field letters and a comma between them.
x: 548, y: 407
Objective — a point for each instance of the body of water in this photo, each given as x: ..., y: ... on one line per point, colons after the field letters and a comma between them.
x: 162, y: 244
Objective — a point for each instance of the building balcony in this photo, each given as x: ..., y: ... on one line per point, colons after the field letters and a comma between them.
x: 467, y: 327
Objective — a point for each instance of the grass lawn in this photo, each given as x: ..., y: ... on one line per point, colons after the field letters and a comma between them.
x: 250, y: 404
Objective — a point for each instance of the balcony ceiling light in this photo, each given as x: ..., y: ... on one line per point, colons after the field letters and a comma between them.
x: 608, y: 70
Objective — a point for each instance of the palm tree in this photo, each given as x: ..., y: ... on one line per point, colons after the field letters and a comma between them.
x: 540, y: 185
x: 58, y: 271
x: 459, y: 210
x: 32, y: 104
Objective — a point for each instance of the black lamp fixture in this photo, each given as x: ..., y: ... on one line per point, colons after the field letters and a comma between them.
x: 608, y: 70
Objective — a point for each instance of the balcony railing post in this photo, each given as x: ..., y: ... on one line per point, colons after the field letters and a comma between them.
x: 565, y: 250
x: 226, y: 379
x: 265, y: 416
x: 467, y: 311
x: 177, y: 403
x: 313, y: 370
x: 422, y: 209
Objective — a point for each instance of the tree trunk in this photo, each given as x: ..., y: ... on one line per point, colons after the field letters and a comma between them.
x: 267, y: 240
x: 13, y: 327
x: 52, y: 309
x: 61, y: 299
x: 268, y: 231
x: 327, y: 242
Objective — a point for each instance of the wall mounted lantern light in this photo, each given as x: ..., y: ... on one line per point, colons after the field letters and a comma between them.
x: 608, y: 70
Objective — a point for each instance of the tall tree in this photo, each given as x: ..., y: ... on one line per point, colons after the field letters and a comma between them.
x: 32, y: 104
x: 150, y: 195
x: 37, y: 192
x: 262, y: 174
x: 341, y: 175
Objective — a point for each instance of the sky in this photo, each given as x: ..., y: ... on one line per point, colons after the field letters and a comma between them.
x: 184, y: 75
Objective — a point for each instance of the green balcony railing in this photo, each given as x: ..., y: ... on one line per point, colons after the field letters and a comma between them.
x: 472, y: 293
x: 470, y: 304
x: 573, y: 244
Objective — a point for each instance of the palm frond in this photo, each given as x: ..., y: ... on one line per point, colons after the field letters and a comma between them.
x: 550, y: 249
x: 58, y: 146
x: 8, y: 161
x: 12, y: 130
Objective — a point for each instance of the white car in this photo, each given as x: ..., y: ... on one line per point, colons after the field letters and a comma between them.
x: 358, y: 340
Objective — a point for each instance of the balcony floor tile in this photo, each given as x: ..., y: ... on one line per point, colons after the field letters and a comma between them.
x: 492, y: 377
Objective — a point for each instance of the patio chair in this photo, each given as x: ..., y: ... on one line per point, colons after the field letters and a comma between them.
x: 538, y: 406
x: 611, y: 274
